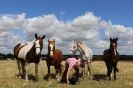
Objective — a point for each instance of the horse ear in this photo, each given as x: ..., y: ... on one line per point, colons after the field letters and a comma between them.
x: 73, y: 41
x: 36, y: 35
x: 43, y: 37
x: 54, y: 41
x: 110, y: 39
x: 116, y: 39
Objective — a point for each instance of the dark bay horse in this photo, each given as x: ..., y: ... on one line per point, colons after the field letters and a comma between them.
x: 28, y: 53
x: 54, y: 58
x: 111, y: 58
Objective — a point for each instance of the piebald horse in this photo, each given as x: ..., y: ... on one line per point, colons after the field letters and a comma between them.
x: 111, y: 59
x: 86, y: 55
x: 54, y: 58
x: 28, y: 53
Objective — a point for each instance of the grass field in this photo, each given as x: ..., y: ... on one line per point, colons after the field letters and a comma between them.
x: 8, y: 69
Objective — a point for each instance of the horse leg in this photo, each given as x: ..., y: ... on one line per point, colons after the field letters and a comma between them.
x: 83, y: 69
x: 36, y: 70
x: 48, y: 72
x: 23, y: 69
x: 77, y: 73
x: 61, y: 70
x: 89, y: 70
x: 57, y: 69
x: 26, y: 76
x: 19, y: 69
x: 108, y: 70
x: 115, y: 69
x: 114, y: 72
x: 111, y: 68
x: 64, y: 76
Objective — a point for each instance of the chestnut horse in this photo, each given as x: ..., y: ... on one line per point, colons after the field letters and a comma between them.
x: 111, y: 59
x: 28, y: 53
x: 54, y: 58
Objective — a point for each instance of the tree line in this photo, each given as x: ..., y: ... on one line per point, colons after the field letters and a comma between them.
x: 95, y: 57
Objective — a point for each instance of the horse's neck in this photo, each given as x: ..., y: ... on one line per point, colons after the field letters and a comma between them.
x: 86, y: 53
x: 82, y: 49
x: 113, y: 51
x: 32, y: 50
x: 81, y: 52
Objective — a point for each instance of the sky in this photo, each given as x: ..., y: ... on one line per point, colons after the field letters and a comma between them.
x: 93, y: 21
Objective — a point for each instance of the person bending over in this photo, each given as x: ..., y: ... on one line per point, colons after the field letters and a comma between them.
x: 71, y: 63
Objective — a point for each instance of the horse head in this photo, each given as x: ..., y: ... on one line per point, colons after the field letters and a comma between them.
x: 38, y: 43
x: 51, y: 47
x: 113, y: 45
x: 74, y: 47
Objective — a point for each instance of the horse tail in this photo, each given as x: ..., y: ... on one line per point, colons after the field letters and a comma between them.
x: 16, y: 49
x: 117, y: 69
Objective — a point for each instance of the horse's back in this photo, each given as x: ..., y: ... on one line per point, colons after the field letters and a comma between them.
x: 89, y: 53
x: 58, y: 54
x: 24, y: 50
x: 16, y: 49
x: 20, y: 50
x: 106, y: 52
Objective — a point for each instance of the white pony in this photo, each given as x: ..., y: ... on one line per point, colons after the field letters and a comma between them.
x: 85, y: 53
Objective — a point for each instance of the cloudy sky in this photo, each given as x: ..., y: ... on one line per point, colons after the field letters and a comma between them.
x: 93, y: 21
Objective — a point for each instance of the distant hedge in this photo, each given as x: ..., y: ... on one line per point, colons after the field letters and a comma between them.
x: 95, y: 57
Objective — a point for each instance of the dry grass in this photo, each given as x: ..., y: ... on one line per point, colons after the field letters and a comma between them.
x: 8, y: 69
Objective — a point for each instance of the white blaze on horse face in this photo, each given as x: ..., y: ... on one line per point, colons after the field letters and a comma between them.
x: 37, y: 46
x: 115, y: 52
x: 114, y: 45
x: 73, y: 47
x: 51, y: 50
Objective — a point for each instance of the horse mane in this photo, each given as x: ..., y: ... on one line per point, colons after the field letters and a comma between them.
x: 82, y: 44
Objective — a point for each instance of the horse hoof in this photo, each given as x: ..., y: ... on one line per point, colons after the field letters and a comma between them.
x: 108, y: 78
x: 19, y: 77
x: 48, y: 79
x: 58, y: 80
x: 115, y: 78
x: 91, y: 78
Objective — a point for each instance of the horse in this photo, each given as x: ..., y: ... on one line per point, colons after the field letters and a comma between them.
x: 54, y: 58
x: 86, y: 55
x: 111, y: 59
x: 28, y: 53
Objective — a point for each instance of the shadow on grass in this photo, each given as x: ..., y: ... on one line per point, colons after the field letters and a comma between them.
x: 52, y: 77
x: 99, y: 77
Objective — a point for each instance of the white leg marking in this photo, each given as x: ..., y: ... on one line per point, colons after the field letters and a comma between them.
x: 26, y: 67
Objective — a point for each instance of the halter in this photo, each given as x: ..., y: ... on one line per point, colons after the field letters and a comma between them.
x: 51, y: 51
x: 37, y: 47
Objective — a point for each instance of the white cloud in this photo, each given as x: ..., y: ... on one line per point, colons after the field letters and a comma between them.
x: 86, y: 27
